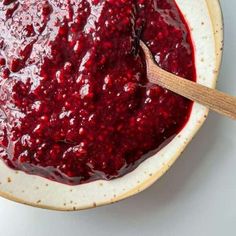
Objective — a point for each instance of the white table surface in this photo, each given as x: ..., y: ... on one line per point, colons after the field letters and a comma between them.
x: 196, y: 197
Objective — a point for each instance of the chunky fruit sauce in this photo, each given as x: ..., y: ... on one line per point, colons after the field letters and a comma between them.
x: 75, y: 102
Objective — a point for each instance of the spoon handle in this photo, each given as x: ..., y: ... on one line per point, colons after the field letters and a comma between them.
x: 215, y: 100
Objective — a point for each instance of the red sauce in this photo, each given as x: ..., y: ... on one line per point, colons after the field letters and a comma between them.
x: 75, y: 102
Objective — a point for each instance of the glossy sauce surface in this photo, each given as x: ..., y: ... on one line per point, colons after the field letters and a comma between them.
x: 75, y: 103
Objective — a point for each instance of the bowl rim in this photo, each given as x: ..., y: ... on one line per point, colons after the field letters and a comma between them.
x: 216, y: 16
x: 215, y: 13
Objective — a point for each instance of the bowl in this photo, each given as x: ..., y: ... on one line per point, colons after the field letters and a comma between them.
x: 205, y: 22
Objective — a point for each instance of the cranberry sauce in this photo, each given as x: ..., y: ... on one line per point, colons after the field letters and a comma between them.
x: 75, y: 102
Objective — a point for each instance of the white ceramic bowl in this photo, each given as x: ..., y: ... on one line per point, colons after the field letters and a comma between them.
x: 205, y: 21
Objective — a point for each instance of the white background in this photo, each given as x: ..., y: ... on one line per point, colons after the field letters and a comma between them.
x: 196, y: 197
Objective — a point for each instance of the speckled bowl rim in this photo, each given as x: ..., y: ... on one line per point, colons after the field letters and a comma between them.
x: 217, y: 30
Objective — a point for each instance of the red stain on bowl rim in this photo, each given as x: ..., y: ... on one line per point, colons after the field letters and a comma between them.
x: 76, y: 105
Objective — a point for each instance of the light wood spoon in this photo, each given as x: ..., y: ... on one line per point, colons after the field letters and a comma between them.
x: 215, y: 100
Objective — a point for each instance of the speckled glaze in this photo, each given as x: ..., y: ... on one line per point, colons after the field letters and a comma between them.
x: 205, y: 21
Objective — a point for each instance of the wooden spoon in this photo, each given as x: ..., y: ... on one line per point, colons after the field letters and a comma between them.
x: 215, y: 100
